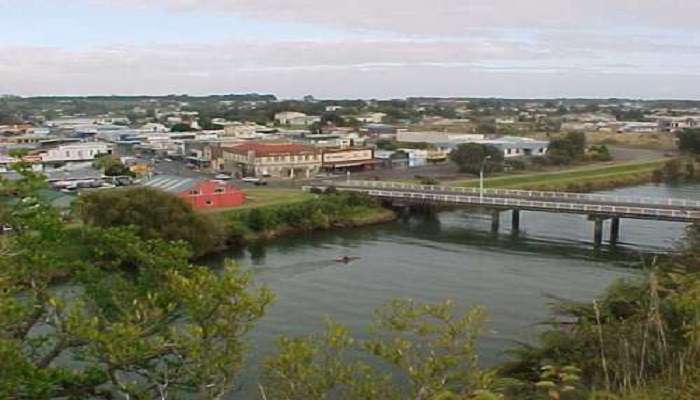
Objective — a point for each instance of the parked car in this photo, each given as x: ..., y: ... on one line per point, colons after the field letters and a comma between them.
x: 261, y: 183
x: 223, y: 177
x: 251, y: 179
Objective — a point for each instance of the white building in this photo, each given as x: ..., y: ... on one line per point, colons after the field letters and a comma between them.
x: 76, y: 152
x: 286, y: 117
x: 371, y: 118
x: 154, y: 127
x: 639, y: 127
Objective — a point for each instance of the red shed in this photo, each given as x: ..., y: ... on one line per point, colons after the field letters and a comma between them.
x: 201, y: 194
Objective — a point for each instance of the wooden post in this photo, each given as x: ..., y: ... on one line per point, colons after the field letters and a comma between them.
x: 615, y: 230
x: 516, y: 221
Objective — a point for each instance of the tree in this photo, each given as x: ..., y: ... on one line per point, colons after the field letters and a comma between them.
x: 568, y: 149
x: 182, y: 127
x: 428, y: 346
x: 689, y: 141
x: 113, y: 166
x: 155, y: 214
x: 131, y: 318
x: 470, y: 157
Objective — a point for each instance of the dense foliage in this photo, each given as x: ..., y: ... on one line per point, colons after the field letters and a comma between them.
x: 689, y: 141
x: 103, y: 313
x: 323, y: 212
x: 154, y: 214
x: 112, y: 166
x: 567, y: 149
x: 471, y: 157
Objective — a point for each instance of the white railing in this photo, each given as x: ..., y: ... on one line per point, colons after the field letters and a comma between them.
x: 622, y: 211
x: 642, y: 201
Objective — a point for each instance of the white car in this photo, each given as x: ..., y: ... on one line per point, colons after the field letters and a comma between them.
x: 251, y: 179
x: 223, y: 177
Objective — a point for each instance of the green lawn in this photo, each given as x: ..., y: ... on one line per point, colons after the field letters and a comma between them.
x: 258, y: 197
x: 573, y: 176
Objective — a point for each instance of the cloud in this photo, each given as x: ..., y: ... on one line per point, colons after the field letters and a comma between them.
x: 452, y: 17
x: 366, y: 68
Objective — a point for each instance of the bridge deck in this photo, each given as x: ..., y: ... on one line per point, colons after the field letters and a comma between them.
x: 575, y: 203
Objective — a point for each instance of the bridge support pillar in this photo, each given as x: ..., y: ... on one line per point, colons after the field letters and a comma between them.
x: 615, y: 230
x: 495, y: 221
x: 516, y: 221
x: 598, y: 231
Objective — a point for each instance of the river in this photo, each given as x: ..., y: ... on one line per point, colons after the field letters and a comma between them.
x: 452, y: 255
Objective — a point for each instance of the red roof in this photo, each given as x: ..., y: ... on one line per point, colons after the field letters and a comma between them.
x: 272, y: 149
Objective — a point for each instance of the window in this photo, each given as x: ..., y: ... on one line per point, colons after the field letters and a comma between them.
x: 194, y: 192
x: 220, y: 190
x: 209, y: 203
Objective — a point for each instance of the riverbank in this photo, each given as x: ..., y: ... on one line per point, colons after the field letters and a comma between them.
x: 318, y: 212
x: 579, y: 180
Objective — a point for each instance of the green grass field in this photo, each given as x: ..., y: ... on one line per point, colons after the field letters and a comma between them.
x: 259, y: 197
x: 561, y: 180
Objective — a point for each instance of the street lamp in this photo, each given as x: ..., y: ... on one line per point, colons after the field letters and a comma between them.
x: 481, y: 178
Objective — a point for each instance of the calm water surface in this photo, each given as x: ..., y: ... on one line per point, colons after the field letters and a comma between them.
x: 449, y: 256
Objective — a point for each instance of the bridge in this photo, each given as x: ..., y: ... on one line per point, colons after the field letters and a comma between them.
x: 598, y: 208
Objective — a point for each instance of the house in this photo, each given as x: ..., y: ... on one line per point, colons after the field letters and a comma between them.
x: 286, y: 160
x: 371, y: 118
x: 675, y: 124
x: 286, y: 117
x: 201, y: 194
x: 639, y: 127
x: 154, y: 127
x: 514, y: 146
x: 85, y: 151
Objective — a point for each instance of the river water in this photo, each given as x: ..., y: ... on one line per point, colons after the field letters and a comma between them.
x: 449, y: 256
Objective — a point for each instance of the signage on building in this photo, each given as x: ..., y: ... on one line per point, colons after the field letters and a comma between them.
x: 347, y: 155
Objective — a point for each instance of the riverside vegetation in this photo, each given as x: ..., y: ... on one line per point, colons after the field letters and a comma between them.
x: 106, y: 312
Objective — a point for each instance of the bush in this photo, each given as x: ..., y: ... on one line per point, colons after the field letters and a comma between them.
x: 155, y: 214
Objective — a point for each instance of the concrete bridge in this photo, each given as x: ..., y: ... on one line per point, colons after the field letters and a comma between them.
x: 598, y: 208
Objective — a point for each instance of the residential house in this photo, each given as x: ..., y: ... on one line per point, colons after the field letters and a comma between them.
x: 639, y: 127
x: 201, y: 194
x: 371, y: 118
x: 286, y: 160
x: 287, y: 117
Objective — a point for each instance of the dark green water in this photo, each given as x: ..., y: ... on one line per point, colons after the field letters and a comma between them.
x: 449, y: 256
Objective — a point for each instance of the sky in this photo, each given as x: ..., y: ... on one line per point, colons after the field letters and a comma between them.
x: 352, y: 48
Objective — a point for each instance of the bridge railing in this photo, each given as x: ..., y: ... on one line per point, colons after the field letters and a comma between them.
x: 531, y: 204
x: 651, y: 201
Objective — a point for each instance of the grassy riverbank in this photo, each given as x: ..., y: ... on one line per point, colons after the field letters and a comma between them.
x: 584, y: 179
x: 314, y: 212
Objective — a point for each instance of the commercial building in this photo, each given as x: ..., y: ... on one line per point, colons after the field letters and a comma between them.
x: 198, y: 193
x: 285, y: 160
x: 348, y: 159
x: 76, y: 152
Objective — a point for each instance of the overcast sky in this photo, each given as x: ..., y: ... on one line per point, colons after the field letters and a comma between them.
x: 352, y: 48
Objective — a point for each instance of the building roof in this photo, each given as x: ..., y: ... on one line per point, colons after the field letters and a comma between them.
x: 172, y: 184
x: 272, y: 149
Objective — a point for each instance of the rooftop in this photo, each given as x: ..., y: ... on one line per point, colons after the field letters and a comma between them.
x: 272, y: 149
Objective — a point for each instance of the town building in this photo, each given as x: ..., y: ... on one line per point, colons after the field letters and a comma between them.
x: 638, y: 127
x: 293, y: 118
x: 199, y: 193
x: 285, y: 160
x: 675, y: 124
x: 371, y: 118
x: 348, y: 159
x: 76, y: 152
